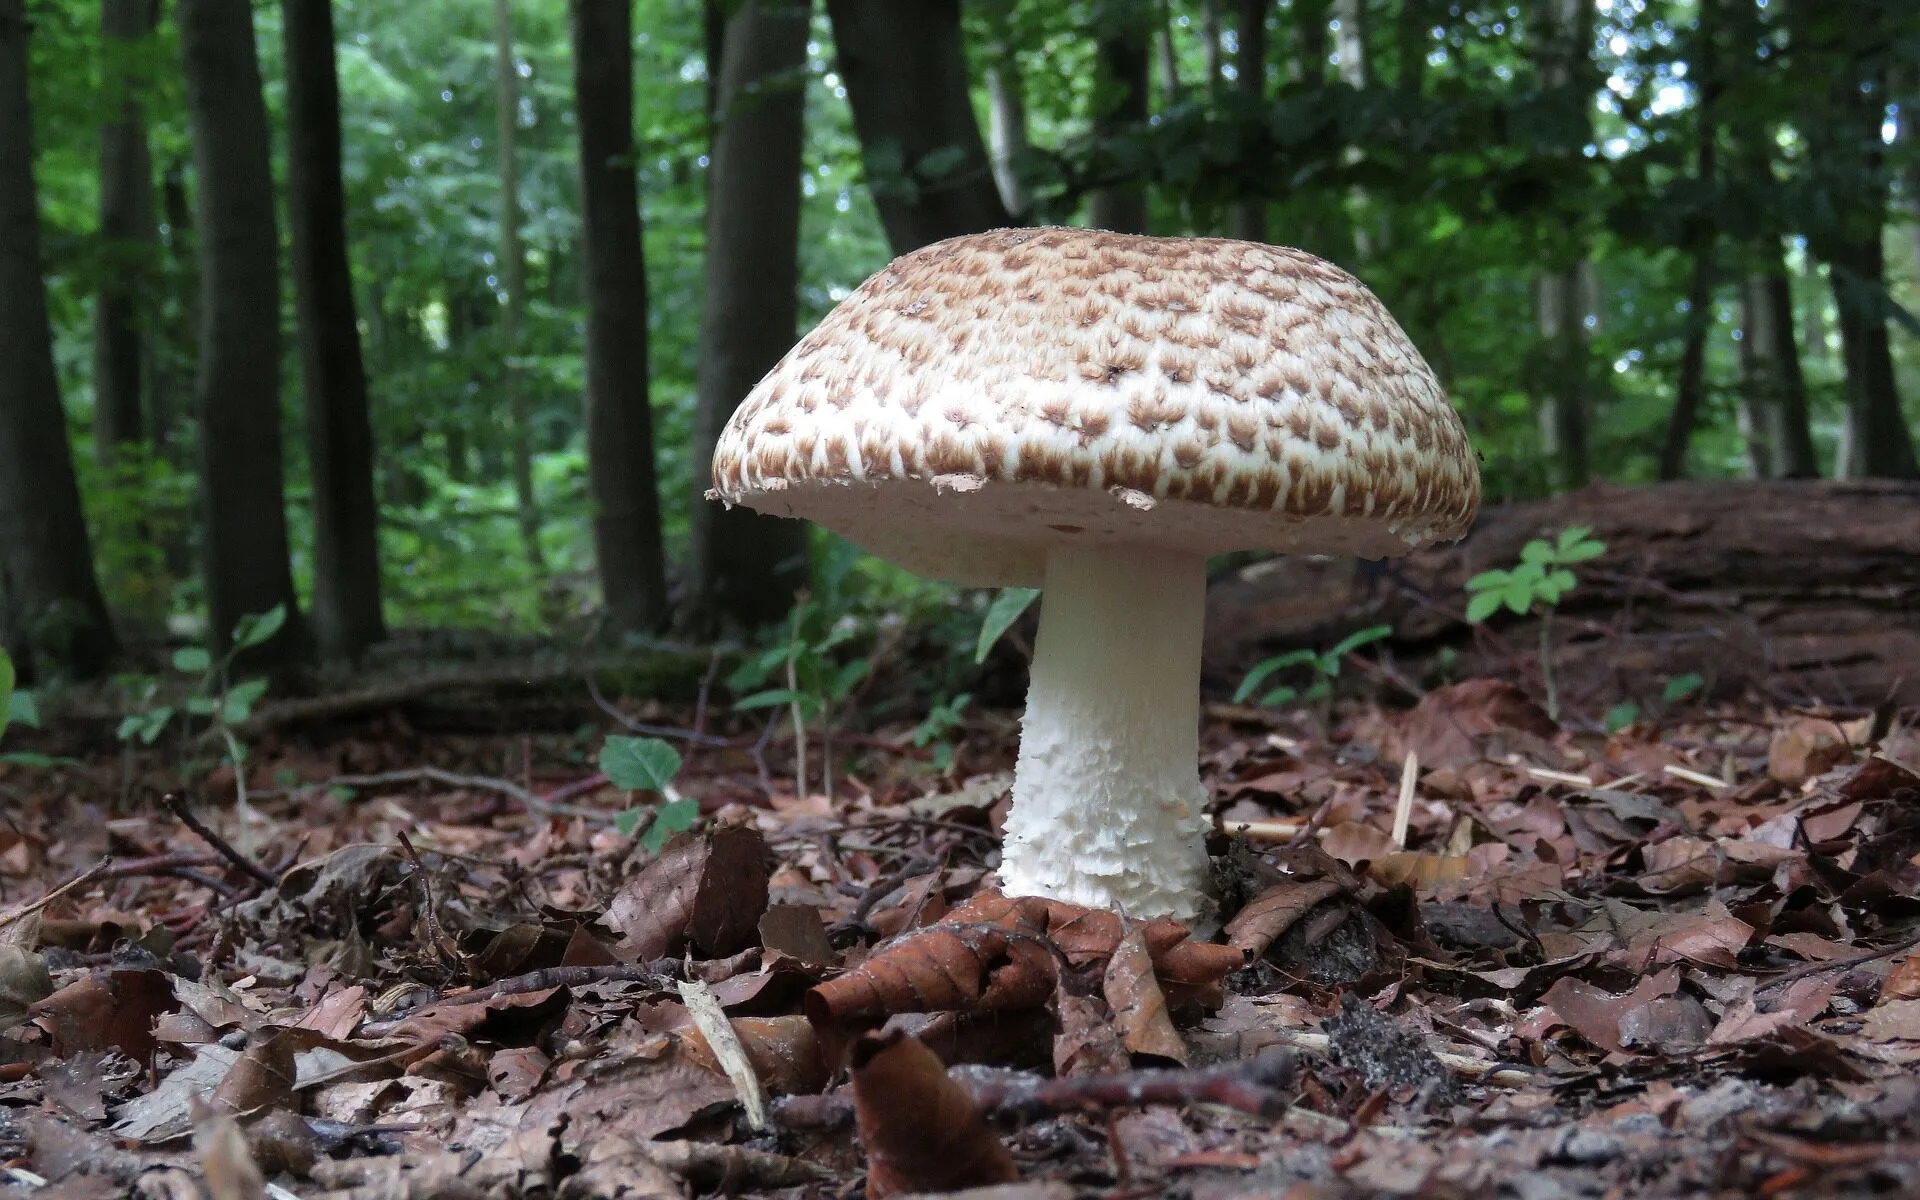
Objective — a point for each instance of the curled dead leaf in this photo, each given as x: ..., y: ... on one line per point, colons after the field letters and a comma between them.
x: 709, y: 891
x: 1139, y: 1008
x: 921, y: 1130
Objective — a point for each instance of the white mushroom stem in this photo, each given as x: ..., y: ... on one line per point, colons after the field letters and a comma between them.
x: 1108, y: 808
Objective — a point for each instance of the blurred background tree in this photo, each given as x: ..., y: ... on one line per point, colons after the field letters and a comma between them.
x: 1636, y: 238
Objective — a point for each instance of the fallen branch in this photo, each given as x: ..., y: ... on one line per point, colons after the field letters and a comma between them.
x: 177, y: 805
x: 533, y: 981
x: 15, y: 913
x: 1255, y: 1085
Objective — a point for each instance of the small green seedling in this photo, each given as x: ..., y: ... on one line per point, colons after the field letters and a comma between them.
x: 816, y: 682
x: 18, y: 707
x: 1678, y: 688
x: 1001, y: 614
x: 1324, y: 667
x: 940, y: 721
x: 1536, y: 584
x: 638, y: 764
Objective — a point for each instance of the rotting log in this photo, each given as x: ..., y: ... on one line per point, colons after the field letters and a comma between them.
x: 1803, y: 592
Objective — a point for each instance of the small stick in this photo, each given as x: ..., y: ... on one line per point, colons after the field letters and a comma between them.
x: 1692, y: 776
x: 1403, y: 810
x: 532, y: 981
x: 178, y: 806
x: 711, y: 1020
x: 1839, y: 964
x: 19, y: 911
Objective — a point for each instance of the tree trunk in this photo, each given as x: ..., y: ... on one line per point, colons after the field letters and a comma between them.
x: 513, y: 275
x: 340, y: 451
x: 748, y: 567
x: 54, y: 618
x: 1839, y: 55
x: 620, y: 466
x: 1813, y: 292
x: 1564, y: 390
x: 1774, y: 399
x: 1250, y: 81
x: 1309, y: 67
x: 1007, y: 112
x: 1413, y: 31
x: 1122, y: 54
x: 127, y: 233
x: 171, y: 395
x: 237, y: 387
x: 1700, y: 241
x: 906, y: 79
x: 1210, y: 30
x: 1171, y: 86
x: 1804, y: 591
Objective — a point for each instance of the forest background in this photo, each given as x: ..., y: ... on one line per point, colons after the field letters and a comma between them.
x: 396, y: 314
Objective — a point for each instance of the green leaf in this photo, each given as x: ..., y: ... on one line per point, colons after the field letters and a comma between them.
x: 1519, y: 596
x: 1537, y: 552
x: 1001, y: 614
x: 638, y: 764
x: 1573, y: 535
x: 1528, y: 572
x: 1489, y: 581
x: 1353, y: 641
x: 1622, y: 715
x: 1279, y: 696
x: 192, y: 660
x: 675, y: 817
x: 1680, y: 687
x: 1582, y: 551
x: 202, y: 706
x: 255, y: 629
x: 27, y: 758
x: 240, y: 699
x: 146, y: 726
x: 20, y: 708
x: 1278, y: 662
x: 1563, y: 579
x: 1482, y: 606
x: 773, y: 698
x: 849, y: 674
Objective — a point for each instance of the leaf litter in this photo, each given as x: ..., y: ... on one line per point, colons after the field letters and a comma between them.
x: 1672, y: 959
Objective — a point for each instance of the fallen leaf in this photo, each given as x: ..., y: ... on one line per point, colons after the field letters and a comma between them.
x: 1139, y: 1008
x: 1600, y: 1016
x: 709, y: 891
x: 921, y: 1130
x: 1271, y: 913
x: 1450, y: 725
x: 110, y: 1008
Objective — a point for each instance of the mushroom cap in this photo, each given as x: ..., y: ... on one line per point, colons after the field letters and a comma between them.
x: 987, y: 397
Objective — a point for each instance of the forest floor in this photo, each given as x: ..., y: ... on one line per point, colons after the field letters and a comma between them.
x: 1673, y: 960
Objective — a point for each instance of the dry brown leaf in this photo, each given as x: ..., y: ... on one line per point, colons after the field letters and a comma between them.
x: 1139, y: 1008
x: 111, y: 1008
x: 1420, y: 869
x: 784, y: 1051
x: 1803, y: 747
x: 1598, y: 1015
x: 1087, y: 1043
x: 796, y: 929
x: 262, y: 1078
x: 1897, y: 1021
x: 226, y: 1164
x: 1450, y: 725
x: 709, y: 891
x: 1273, y: 912
x: 921, y: 1130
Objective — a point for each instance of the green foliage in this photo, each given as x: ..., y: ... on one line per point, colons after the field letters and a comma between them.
x: 940, y: 721
x: 1540, y: 578
x: 638, y: 764
x: 214, y: 696
x: 1006, y: 608
x: 1322, y: 669
x: 1535, y: 584
x: 1678, y: 688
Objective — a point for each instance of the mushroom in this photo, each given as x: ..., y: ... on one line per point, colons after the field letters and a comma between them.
x: 1095, y: 414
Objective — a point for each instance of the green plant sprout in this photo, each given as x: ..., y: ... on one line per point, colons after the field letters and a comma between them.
x: 941, y: 720
x: 1324, y: 667
x: 815, y: 684
x: 1536, y: 584
x: 1677, y: 689
x: 215, y: 695
x: 1001, y: 614
x: 643, y: 764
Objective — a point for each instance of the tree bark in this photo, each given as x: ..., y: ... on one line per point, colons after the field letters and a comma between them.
x: 620, y: 467
x: 340, y: 450
x: 906, y: 78
x: 237, y: 387
x: 1840, y: 56
x: 1007, y: 112
x: 1774, y: 398
x: 1702, y: 243
x: 171, y: 395
x: 51, y: 611
x: 1806, y: 591
x: 1123, y: 57
x: 1250, y: 82
x: 1171, y: 86
x: 513, y: 277
x: 748, y: 567
x: 1210, y: 30
x: 1309, y: 67
x: 127, y: 233
x: 1565, y: 390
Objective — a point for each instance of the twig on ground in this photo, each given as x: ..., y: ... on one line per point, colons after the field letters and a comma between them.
x: 177, y: 805
x: 694, y: 736
x: 1255, y: 1085
x: 97, y: 871
x: 1838, y: 964
x: 534, y: 981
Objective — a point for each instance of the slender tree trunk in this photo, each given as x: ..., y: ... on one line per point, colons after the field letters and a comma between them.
x: 1774, y: 395
x: 346, y: 517
x: 1566, y: 391
x: 237, y: 389
x: 513, y: 275
x: 1250, y: 82
x: 1813, y: 291
x: 1702, y: 244
x: 906, y: 78
x: 1122, y: 52
x: 1170, y: 84
x: 1840, y: 55
x: 1007, y: 111
x: 1309, y: 66
x: 171, y: 395
x: 1414, y: 33
x: 748, y: 567
x: 51, y: 611
x: 620, y: 466
x: 127, y: 233
x: 1210, y: 30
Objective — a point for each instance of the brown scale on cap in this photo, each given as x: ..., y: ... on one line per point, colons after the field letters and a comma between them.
x: 1003, y: 387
